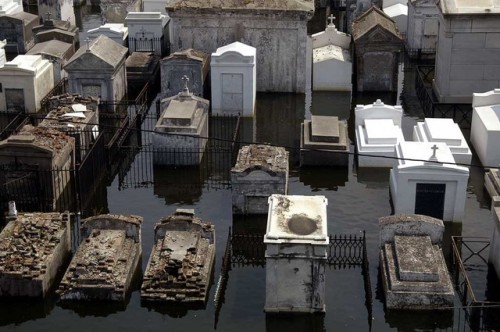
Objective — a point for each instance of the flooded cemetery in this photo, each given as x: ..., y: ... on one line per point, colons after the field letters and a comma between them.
x: 303, y: 173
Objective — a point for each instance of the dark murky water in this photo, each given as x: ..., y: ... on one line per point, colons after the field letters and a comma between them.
x: 356, y: 198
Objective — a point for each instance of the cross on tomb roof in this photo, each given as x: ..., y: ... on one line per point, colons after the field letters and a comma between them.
x: 48, y: 14
x: 330, y: 19
x: 185, y: 79
x: 434, y: 149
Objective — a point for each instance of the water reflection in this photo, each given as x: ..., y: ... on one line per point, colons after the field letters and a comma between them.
x: 179, y: 185
x: 323, y: 178
x: 295, y: 322
x: 373, y: 178
x: 331, y: 103
x: 14, y: 310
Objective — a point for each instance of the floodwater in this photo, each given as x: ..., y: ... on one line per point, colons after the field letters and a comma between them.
x: 356, y: 199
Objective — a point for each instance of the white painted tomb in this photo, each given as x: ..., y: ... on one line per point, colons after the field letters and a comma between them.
x: 296, y: 242
x: 332, y: 63
x: 3, y: 58
x: 146, y: 28
x: 25, y: 81
x: 115, y: 31
x: 234, y: 79
x: 9, y: 7
x: 425, y: 180
x: 399, y: 13
x: 390, y: 3
x: 378, y: 131
x: 485, y: 128
x: 444, y: 131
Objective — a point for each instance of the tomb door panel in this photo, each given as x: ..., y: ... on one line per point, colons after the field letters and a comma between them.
x: 256, y: 204
x: 91, y: 90
x: 14, y: 99
x: 429, y: 199
x: 232, y: 92
x: 378, y: 71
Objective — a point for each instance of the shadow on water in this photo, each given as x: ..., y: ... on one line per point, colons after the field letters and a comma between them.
x: 295, y: 322
x: 323, y: 178
x: 181, y: 185
x: 331, y: 103
x: 249, y: 224
x: 373, y: 178
x: 15, y: 310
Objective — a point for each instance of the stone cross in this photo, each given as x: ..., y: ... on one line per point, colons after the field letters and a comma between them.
x: 185, y: 79
x: 48, y: 14
x: 88, y: 43
x: 331, y: 18
x: 434, y: 149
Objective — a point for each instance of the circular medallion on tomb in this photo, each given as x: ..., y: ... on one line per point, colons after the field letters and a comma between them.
x: 300, y: 224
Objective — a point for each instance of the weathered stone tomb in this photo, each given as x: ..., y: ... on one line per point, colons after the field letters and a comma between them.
x: 55, y: 51
x: 59, y: 9
x: 324, y: 142
x: 181, y: 133
x: 422, y: 30
x: 117, y: 32
x: 485, y: 128
x: 17, y: 30
x: 142, y: 68
x: 412, y: 266
x: 259, y: 172
x: 59, y: 30
x: 105, y: 262
x: 115, y: 11
x: 181, y: 261
x: 296, y: 242
x: 33, y: 247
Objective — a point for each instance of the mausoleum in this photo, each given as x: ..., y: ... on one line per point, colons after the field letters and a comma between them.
x: 117, y: 32
x: 296, y: 242
x: 378, y: 131
x: 425, y: 180
x: 59, y: 9
x: 17, y: 30
x: 412, y: 266
x: 485, y: 128
x: 8, y: 7
x: 115, y: 11
x: 332, y: 65
x: 259, y: 172
x: 147, y: 32
x: 57, y: 52
x: 445, y: 131
x: 422, y: 30
x: 234, y: 81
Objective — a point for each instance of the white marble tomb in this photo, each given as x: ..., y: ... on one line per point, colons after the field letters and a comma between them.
x: 485, y: 128
x: 115, y: 31
x: 445, y: 131
x: 3, y: 58
x: 425, y: 180
x: 378, y: 131
x: 234, y: 79
x: 146, y: 29
x: 8, y: 7
x: 296, y: 242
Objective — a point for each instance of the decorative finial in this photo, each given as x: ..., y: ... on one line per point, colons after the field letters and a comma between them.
x: 185, y: 79
x: 434, y: 149
x: 88, y: 40
x: 331, y: 18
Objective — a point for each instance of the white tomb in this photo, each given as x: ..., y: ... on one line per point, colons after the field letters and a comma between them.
x: 422, y: 29
x: 332, y: 64
x: 25, y: 81
x: 378, y: 131
x: 234, y: 79
x: 425, y: 180
x: 485, y: 129
x: 399, y: 13
x: 3, y: 59
x: 444, y: 131
x: 296, y: 251
x: 390, y: 3
x: 114, y: 31
x: 9, y: 7
x: 147, y: 31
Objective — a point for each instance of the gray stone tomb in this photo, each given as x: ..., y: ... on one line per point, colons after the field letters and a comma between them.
x: 324, y: 142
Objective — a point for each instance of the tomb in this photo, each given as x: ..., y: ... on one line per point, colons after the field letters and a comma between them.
x: 106, y: 260
x: 77, y: 117
x: 36, y: 158
x: 445, y: 131
x: 422, y: 30
x: 181, y: 133
x: 356, y: 8
x: 115, y: 11
x: 191, y: 63
x: 8, y: 7
x: 233, y: 75
x: 277, y: 29
x: 98, y: 70
x: 25, y: 81
x: 412, y: 266
x: 59, y: 9
x: 117, y: 32
x: 181, y: 261
x: 492, y: 185
x: 55, y: 51
x: 147, y: 32
x: 399, y: 14
x: 324, y: 142
x: 485, y: 128
x: 17, y: 30
x: 3, y: 58
x: 467, y: 49
x: 296, y: 242
x: 378, y: 131
x: 425, y: 180
x: 33, y: 246
x: 259, y: 172
x: 332, y: 65
x: 142, y: 68
x: 378, y: 44
x: 58, y: 30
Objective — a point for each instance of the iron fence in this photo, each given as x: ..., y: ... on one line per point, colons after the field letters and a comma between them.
x: 159, y: 46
